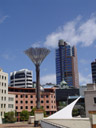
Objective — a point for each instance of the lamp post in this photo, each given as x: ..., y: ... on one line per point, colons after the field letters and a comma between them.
x: 37, y: 55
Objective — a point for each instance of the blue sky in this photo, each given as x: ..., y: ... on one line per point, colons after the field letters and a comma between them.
x: 26, y: 23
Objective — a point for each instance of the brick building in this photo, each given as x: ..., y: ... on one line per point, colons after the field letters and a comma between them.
x: 25, y: 99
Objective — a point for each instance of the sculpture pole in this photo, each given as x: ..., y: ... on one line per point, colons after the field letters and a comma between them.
x: 37, y: 55
x: 38, y: 85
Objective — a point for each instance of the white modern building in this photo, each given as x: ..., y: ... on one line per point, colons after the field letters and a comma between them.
x: 7, y: 102
x: 21, y: 79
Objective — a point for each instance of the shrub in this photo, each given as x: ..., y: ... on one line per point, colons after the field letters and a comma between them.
x: 24, y: 115
x: 9, y: 117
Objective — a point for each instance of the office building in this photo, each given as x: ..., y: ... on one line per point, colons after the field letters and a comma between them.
x: 25, y: 99
x: 93, y: 69
x: 66, y: 64
x: 21, y: 79
x: 7, y: 102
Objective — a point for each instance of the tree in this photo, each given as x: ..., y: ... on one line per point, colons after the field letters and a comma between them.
x: 33, y: 110
x: 75, y: 112
x: 9, y: 117
x: 24, y: 115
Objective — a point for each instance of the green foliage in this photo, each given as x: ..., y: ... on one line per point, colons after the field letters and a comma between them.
x: 33, y: 110
x: 9, y: 117
x: 24, y: 115
x: 75, y: 112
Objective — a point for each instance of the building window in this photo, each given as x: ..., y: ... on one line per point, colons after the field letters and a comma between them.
x: 16, y: 96
x: 47, y: 96
x: 10, y: 99
x: 95, y: 100
x: 21, y: 107
x: 31, y: 107
x: 2, y: 83
x: 10, y: 105
x: 52, y: 101
x: 16, y: 102
x: 16, y: 107
x: 47, y: 106
x: 1, y: 105
x: 31, y: 101
x: 52, y: 106
x: 26, y: 96
x: 5, y: 91
x: 21, y: 101
x: 31, y: 96
x: 41, y: 101
x: 5, y: 77
x: 26, y: 107
x: 5, y: 84
x: 26, y: 101
x: 4, y: 98
x: 47, y: 101
x: 2, y: 77
x: 2, y: 90
x: 42, y: 96
x: 4, y: 105
x: 21, y: 96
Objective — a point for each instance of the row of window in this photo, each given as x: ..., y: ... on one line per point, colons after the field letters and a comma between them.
x: 27, y: 107
x: 3, y: 77
x: 47, y: 101
x: 3, y: 84
x: 2, y: 91
x: 26, y: 96
x: 3, y: 105
x: 3, y: 98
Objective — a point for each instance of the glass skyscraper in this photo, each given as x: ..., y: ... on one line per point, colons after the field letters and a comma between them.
x: 93, y: 68
x: 66, y: 64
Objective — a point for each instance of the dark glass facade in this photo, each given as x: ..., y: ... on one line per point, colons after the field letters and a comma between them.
x: 66, y: 64
x: 93, y: 68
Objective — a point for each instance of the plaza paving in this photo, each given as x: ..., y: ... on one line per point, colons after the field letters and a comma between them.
x: 18, y: 125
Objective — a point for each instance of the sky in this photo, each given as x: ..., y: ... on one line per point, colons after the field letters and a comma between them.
x: 41, y: 23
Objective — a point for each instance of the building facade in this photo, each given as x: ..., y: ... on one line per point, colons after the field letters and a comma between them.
x: 21, y: 79
x: 66, y: 64
x: 90, y: 98
x: 7, y: 102
x: 93, y: 69
x: 25, y: 99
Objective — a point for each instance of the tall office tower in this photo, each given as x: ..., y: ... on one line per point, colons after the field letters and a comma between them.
x: 66, y: 64
x: 21, y: 79
x: 93, y: 69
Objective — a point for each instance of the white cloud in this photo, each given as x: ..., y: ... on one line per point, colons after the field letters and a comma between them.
x: 37, y: 44
x: 85, y: 79
x: 50, y: 78
x: 3, y: 18
x: 83, y: 61
x: 74, y: 32
x: 7, y: 56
